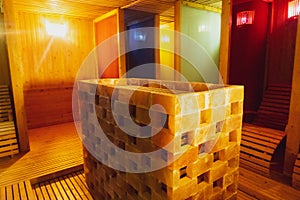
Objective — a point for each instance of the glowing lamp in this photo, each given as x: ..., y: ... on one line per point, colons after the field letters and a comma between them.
x: 55, y: 29
x: 245, y: 17
x: 294, y: 8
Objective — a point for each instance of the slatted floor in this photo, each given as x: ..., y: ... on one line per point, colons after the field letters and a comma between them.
x: 21, y: 190
x: 53, y: 149
x: 71, y: 186
x: 44, y: 160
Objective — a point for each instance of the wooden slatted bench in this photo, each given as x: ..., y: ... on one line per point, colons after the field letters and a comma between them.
x: 258, y: 148
x: 296, y: 173
x: 8, y: 138
x: 21, y: 190
x: 5, y: 104
x: 274, y: 109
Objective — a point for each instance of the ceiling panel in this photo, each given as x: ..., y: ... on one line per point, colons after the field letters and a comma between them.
x: 95, y: 8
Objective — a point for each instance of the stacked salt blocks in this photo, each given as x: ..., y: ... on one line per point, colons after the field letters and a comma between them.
x: 202, y: 132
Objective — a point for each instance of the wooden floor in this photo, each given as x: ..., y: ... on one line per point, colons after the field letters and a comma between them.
x: 70, y: 186
x: 53, y: 149
x: 54, y: 168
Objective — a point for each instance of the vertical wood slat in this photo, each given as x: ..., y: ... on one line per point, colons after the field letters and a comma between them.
x: 53, y: 60
x: 69, y: 186
x: 17, y: 191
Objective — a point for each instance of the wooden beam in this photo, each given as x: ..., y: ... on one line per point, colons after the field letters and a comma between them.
x: 16, y: 71
x: 225, y: 41
x: 121, y: 42
x: 157, y: 46
x: 293, y: 127
x: 177, y: 39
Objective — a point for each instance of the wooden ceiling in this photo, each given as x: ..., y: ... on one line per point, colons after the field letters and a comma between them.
x: 95, y: 8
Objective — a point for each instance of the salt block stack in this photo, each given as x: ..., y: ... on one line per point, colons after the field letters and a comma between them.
x: 199, y: 140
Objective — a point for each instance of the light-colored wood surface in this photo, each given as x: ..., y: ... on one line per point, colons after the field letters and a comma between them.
x: 57, y: 148
x: 91, y: 8
x: 261, y: 187
x: 273, y: 111
x: 8, y: 138
x: 21, y: 190
x: 53, y: 149
x: 293, y: 127
x: 11, y: 21
x: 258, y: 147
x: 251, y: 187
x: 53, y: 61
x: 225, y: 41
x: 70, y: 186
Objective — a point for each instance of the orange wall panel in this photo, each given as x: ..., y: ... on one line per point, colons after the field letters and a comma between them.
x: 108, y: 49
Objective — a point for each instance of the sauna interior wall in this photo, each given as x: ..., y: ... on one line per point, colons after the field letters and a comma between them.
x: 4, y: 67
x: 282, y: 45
x: 51, y: 64
x: 53, y: 61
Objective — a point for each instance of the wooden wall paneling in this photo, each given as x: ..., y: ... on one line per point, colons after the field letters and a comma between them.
x: 282, y: 45
x: 225, y: 41
x: 52, y: 61
x: 4, y: 66
x: 293, y: 127
x: 17, y: 73
x: 50, y: 66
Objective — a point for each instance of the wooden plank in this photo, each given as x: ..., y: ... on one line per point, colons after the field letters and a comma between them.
x: 66, y: 188
x: 49, y: 190
x: 9, y: 148
x: 9, y: 153
x: 60, y: 188
x: 9, y: 192
x: 29, y: 190
x: 255, y: 160
x: 9, y: 135
x: 256, y: 153
x: 259, y: 129
x: 257, y: 146
x: 82, y: 185
x: 16, y: 191
x: 44, y: 191
x: 71, y: 177
x: 260, y: 137
x: 72, y: 187
x: 55, y: 190
x: 38, y: 192
x: 23, y: 193
x: 258, y: 141
x: 7, y: 142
